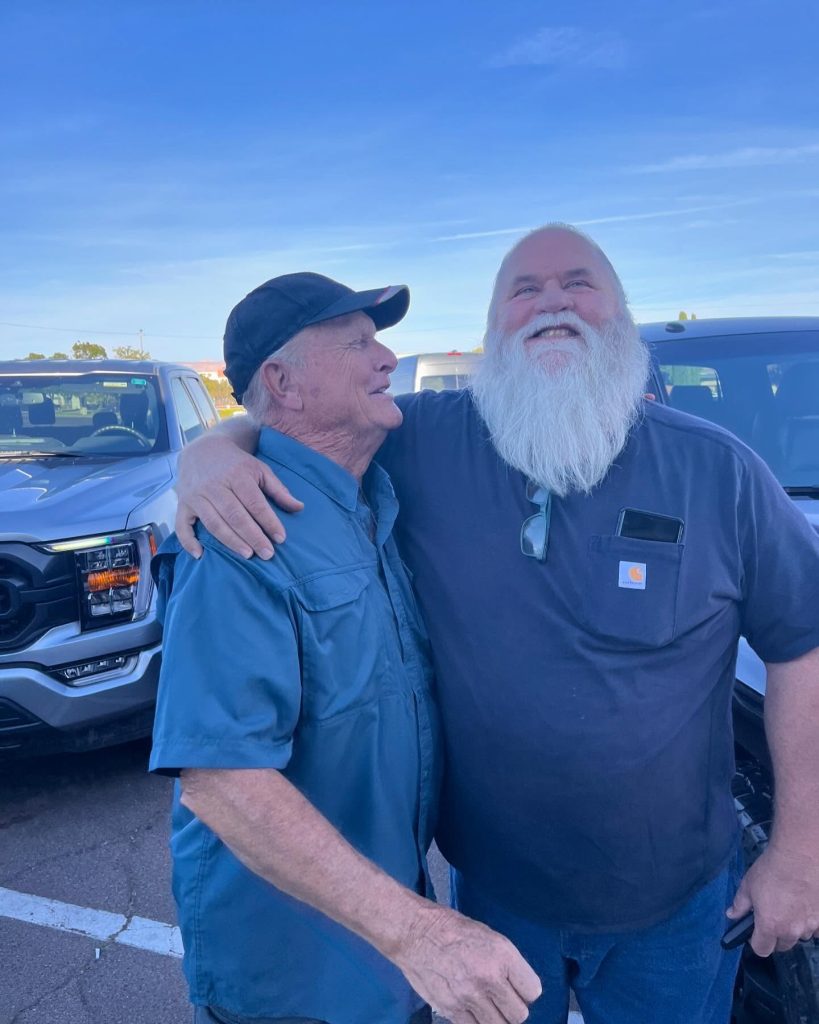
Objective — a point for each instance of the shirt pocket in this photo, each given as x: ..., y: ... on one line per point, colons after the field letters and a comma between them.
x: 631, y: 591
x: 346, y: 646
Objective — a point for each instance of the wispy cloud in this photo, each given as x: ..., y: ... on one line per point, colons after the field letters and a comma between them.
x: 483, y: 234
x: 705, y: 223
x: 616, y: 218
x: 660, y: 214
x: 804, y: 254
x: 49, y: 128
x: 750, y: 156
x: 565, y: 46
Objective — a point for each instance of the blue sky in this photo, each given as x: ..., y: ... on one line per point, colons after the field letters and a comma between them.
x: 159, y: 160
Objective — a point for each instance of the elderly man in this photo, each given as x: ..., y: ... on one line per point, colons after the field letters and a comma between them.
x: 295, y: 702
x: 584, y: 669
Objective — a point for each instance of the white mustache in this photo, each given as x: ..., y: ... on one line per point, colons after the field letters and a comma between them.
x: 546, y: 320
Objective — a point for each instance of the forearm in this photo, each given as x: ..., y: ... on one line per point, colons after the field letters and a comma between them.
x: 280, y: 835
x: 792, y: 729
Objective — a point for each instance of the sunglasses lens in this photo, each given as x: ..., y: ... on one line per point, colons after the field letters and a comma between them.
x: 537, y: 494
x: 534, y: 534
x: 533, y: 537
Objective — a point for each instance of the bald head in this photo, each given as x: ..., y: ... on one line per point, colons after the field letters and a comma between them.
x: 555, y: 268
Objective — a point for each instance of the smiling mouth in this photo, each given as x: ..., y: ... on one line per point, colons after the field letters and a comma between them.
x: 558, y: 333
x: 380, y: 391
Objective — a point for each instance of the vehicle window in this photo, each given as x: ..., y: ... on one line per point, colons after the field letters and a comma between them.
x: 402, y: 379
x: 202, y: 401
x: 762, y: 387
x: 189, y: 423
x: 693, y: 389
x: 97, y: 413
x: 441, y: 382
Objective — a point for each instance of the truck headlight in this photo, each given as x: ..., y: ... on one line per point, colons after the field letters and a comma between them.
x: 113, y: 575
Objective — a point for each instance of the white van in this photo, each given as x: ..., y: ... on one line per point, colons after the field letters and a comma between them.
x: 438, y: 371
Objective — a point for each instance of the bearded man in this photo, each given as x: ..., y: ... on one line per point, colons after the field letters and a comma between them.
x: 585, y: 675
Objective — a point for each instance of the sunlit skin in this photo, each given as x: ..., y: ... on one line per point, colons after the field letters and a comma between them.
x: 554, y: 271
x: 336, y: 402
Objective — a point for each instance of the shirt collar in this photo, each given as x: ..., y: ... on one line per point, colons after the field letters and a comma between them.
x: 317, y: 469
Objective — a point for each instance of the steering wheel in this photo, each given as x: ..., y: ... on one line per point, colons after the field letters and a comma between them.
x: 115, y: 428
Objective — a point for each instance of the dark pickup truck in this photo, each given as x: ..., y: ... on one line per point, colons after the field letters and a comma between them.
x: 758, y: 378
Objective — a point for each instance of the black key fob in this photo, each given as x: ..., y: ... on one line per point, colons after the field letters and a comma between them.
x: 739, y: 932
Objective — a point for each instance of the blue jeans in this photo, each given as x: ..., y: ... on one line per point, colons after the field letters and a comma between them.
x: 675, y: 972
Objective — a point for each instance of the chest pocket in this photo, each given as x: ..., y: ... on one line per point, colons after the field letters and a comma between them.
x: 632, y: 590
x: 346, y: 643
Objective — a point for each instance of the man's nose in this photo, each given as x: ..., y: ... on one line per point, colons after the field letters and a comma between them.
x: 553, y: 298
x: 386, y: 359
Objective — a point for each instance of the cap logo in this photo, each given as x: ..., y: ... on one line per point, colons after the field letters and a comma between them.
x: 387, y: 294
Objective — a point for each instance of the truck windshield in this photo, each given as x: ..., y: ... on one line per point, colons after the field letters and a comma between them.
x: 85, y: 414
x: 762, y: 387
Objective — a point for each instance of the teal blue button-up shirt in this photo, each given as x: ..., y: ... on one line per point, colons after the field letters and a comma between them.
x: 314, y: 663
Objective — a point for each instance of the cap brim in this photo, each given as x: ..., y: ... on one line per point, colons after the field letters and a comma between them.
x: 384, y: 306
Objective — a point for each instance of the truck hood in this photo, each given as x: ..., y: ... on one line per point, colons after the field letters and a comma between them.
x: 810, y: 508
x: 51, y: 499
x: 750, y: 668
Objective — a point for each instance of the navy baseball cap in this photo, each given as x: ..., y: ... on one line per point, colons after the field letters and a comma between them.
x: 273, y: 313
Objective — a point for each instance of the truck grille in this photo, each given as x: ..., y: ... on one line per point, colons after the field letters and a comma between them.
x: 38, y: 591
x: 14, y: 717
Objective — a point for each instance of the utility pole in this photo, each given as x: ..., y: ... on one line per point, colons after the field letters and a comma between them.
x: 141, y: 334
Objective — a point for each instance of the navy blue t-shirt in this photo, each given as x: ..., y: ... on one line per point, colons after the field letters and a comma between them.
x: 588, y: 719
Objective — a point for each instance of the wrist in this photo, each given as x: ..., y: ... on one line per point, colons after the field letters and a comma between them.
x: 400, y: 930
x: 792, y: 848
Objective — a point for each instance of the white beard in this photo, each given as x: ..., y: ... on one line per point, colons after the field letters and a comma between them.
x: 561, y: 411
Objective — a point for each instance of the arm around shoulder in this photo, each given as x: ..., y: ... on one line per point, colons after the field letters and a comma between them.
x: 226, y: 487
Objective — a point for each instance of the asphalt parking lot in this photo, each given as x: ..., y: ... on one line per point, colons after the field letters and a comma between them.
x: 86, y: 916
x: 85, y: 832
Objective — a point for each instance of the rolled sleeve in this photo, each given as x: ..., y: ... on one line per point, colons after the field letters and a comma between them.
x: 780, y: 554
x: 230, y: 683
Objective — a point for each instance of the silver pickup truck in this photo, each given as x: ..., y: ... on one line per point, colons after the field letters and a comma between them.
x: 759, y: 378
x: 88, y: 455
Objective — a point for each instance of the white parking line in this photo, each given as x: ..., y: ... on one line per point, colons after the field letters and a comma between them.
x: 139, y: 932
x: 102, y: 925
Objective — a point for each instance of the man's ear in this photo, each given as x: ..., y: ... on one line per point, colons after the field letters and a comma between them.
x: 281, y: 382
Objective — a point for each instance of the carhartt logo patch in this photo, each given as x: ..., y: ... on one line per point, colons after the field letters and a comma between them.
x: 632, y: 575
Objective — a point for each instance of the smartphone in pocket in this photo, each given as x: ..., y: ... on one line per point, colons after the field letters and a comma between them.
x: 639, y: 525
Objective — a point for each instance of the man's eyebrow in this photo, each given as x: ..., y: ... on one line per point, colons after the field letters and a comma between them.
x: 578, y: 272
x: 523, y: 279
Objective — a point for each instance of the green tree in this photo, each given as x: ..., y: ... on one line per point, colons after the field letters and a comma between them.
x: 34, y: 355
x: 220, y: 391
x: 88, y: 350
x: 683, y: 315
x: 129, y: 352
x: 59, y: 355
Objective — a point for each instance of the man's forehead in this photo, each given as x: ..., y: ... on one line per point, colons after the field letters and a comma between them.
x: 349, y: 322
x: 552, y: 251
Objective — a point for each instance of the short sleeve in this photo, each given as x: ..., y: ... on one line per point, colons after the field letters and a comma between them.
x: 230, y: 683
x: 780, y: 555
